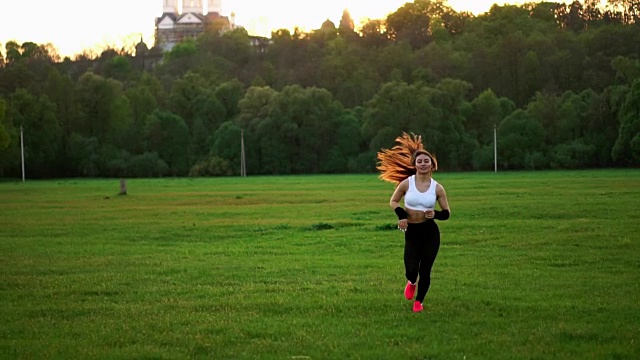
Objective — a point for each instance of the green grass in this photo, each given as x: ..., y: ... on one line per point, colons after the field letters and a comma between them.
x: 533, y: 265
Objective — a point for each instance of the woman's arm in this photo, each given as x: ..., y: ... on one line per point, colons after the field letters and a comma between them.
x: 441, y: 195
x: 400, y: 191
x: 398, y: 194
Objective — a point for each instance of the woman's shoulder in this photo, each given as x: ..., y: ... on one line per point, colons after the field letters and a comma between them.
x: 404, y: 183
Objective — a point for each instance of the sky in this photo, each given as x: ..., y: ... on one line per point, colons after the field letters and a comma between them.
x: 73, y: 26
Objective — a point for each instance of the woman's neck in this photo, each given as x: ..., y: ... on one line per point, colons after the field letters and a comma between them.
x: 423, y: 177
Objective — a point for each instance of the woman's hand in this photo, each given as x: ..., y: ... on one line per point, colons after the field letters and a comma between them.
x: 402, y: 224
x: 429, y: 214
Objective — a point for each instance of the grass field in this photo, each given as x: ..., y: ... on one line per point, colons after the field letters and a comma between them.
x: 533, y: 265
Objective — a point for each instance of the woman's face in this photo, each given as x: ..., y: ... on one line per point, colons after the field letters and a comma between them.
x: 423, y: 164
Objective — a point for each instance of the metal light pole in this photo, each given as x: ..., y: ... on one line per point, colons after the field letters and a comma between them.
x: 22, y: 151
x: 243, y: 165
x: 495, y: 149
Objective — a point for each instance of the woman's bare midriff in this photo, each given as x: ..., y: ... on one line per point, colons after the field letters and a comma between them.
x: 415, y: 216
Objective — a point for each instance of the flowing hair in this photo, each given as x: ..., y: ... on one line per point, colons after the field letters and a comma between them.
x: 396, y: 164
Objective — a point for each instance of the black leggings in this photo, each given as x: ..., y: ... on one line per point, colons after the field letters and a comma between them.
x: 421, y: 245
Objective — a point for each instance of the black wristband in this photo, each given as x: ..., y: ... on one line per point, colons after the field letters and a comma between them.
x: 401, y: 213
x: 441, y: 215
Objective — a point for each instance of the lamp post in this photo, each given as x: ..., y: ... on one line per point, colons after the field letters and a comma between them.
x: 22, y: 151
x: 495, y: 149
x: 243, y: 165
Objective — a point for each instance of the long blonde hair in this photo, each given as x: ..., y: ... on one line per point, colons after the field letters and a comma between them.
x: 398, y: 163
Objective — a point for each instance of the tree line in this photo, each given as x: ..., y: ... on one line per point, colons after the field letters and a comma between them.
x: 560, y: 83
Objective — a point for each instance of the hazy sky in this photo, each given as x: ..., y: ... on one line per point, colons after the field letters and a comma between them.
x: 74, y: 25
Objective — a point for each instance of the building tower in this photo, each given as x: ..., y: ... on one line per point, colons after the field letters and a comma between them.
x: 192, y: 6
x: 173, y: 26
x: 169, y: 6
x: 214, y: 6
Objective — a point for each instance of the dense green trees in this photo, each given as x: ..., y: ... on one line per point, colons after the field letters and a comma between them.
x: 627, y: 146
x: 559, y: 83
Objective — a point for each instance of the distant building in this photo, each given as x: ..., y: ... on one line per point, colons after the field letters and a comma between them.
x: 144, y: 58
x: 174, y: 26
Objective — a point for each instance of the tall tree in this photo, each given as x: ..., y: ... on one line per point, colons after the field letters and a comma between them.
x: 168, y: 136
x: 545, y: 109
x: 103, y: 109
x: 226, y: 145
x: 520, y: 142
x: 208, y: 114
x: 627, y: 69
x: 42, y: 132
x: 411, y: 23
x: 183, y: 94
x: 343, y: 155
x: 627, y: 146
x: 345, y: 75
x: 486, y: 113
x: 399, y: 107
x: 5, y: 139
x: 454, y: 147
x: 10, y: 148
x: 229, y: 95
x: 629, y: 10
x: 254, y: 112
x: 13, y: 51
x: 142, y: 103
x: 312, y: 112
x: 600, y: 126
x: 373, y: 34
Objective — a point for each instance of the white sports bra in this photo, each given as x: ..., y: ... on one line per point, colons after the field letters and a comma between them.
x: 416, y: 200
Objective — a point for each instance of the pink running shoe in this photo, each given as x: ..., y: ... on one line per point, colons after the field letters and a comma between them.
x: 409, y: 290
x: 417, y: 306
